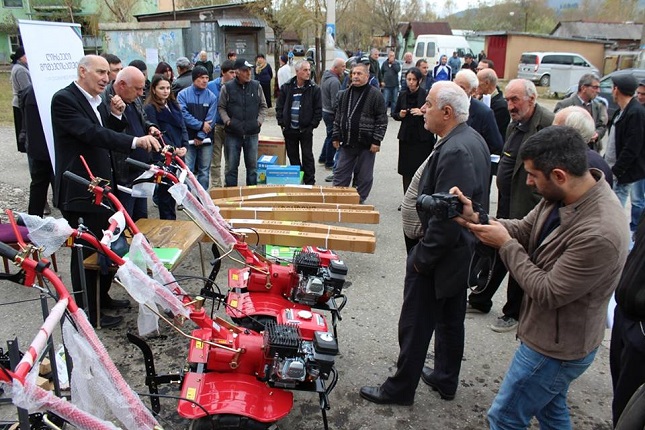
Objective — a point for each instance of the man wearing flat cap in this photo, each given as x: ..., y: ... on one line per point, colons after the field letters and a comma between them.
x: 242, y: 107
x: 626, y: 146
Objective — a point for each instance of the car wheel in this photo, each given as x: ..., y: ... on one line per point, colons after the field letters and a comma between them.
x: 545, y: 81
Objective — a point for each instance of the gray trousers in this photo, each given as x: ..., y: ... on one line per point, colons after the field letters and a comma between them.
x: 356, y: 162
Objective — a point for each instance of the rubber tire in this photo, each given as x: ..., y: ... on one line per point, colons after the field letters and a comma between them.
x: 229, y: 422
x: 545, y: 81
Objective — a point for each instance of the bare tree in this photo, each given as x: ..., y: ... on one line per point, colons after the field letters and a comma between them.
x: 387, y: 15
x: 120, y: 10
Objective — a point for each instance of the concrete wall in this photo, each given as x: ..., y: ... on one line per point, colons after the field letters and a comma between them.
x: 150, y: 42
x: 517, y: 44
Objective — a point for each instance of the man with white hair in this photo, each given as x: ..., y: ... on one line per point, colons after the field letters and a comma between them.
x: 581, y: 120
x: 588, y: 90
x: 480, y: 116
x: 84, y: 126
x: 515, y: 197
x: 434, y: 297
x: 329, y: 87
x: 493, y: 97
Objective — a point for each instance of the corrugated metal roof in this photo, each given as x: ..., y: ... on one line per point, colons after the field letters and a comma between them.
x: 241, y: 22
x: 599, y: 30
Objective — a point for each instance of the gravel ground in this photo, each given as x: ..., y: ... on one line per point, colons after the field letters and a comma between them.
x: 367, y: 333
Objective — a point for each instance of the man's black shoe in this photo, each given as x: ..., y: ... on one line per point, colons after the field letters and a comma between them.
x: 108, y: 321
x: 115, y: 304
x: 426, y: 376
x: 377, y: 395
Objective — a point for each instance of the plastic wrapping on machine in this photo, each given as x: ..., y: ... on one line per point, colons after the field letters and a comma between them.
x: 97, y: 385
x: 218, y: 230
x: 147, y: 291
x: 49, y: 233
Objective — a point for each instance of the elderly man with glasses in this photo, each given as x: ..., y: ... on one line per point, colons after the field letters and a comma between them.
x: 588, y: 89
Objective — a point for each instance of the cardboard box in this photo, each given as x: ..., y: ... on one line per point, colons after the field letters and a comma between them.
x: 263, y: 162
x: 219, y: 193
x: 281, y: 252
x: 273, y: 146
x: 283, y: 175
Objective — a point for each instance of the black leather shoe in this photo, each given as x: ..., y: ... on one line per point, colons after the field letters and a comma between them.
x: 426, y: 376
x: 108, y: 321
x: 377, y: 395
x: 115, y: 304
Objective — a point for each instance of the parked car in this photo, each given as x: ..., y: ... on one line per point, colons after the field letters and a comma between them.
x: 298, y: 51
x: 606, y: 85
x: 536, y: 66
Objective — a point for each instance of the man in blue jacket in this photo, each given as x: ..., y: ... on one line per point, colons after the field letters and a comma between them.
x: 298, y: 111
x: 198, y: 107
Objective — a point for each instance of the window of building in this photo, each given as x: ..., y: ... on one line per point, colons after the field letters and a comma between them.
x: 12, y: 3
x: 15, y: 41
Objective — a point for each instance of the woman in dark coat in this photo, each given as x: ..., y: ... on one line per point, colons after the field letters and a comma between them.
x: 264, y: 74
x: 163, y: 110
x: 415, y: 142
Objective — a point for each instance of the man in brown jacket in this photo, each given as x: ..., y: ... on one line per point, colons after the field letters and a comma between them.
x: 567, y: 255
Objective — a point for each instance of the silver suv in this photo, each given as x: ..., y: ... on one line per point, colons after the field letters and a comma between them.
x: 536, y: 66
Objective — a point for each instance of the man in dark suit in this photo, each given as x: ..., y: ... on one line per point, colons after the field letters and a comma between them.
x: 129, y: 87
x: 434, y: 296
x: 588, y: 89
x: 480, y: 116
x: 492, y: 96
x: 80, y: 124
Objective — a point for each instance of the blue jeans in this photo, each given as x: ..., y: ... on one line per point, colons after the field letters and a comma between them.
x: 536, y: 385
x: 390, y: 94
x: 198, y: 160
x: 636, y: 192
x: 328, y: 151
x: 233, y: 146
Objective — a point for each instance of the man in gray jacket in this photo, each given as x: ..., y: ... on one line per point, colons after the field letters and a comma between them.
x: 567, y: 255
x: 329, y: 87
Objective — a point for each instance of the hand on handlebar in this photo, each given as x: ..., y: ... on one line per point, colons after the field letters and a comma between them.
x: 148, y: 143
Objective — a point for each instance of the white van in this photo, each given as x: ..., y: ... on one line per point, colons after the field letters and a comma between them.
x: 432, y: 46
x: 536, y: 66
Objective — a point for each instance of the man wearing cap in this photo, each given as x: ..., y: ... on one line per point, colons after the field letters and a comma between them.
x: 469, y: 63
x: 243, y: 109
x: 198, y: 107
x: 284, y: 72
x: 625, y: 147
x: 298, y: 111
x: 640, y: 92
x: 588, y: 89
x: 184, y: 77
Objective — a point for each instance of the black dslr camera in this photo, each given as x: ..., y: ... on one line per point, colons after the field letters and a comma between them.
x: 442, y: 206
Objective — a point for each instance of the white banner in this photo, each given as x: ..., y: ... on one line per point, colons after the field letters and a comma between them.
x: 53, y: 50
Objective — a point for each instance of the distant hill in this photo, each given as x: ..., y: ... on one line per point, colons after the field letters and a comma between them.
x: 573, y: 4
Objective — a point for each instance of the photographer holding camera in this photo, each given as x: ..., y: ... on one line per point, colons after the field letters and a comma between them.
x: 566, y: 255
x: 436, y: 272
